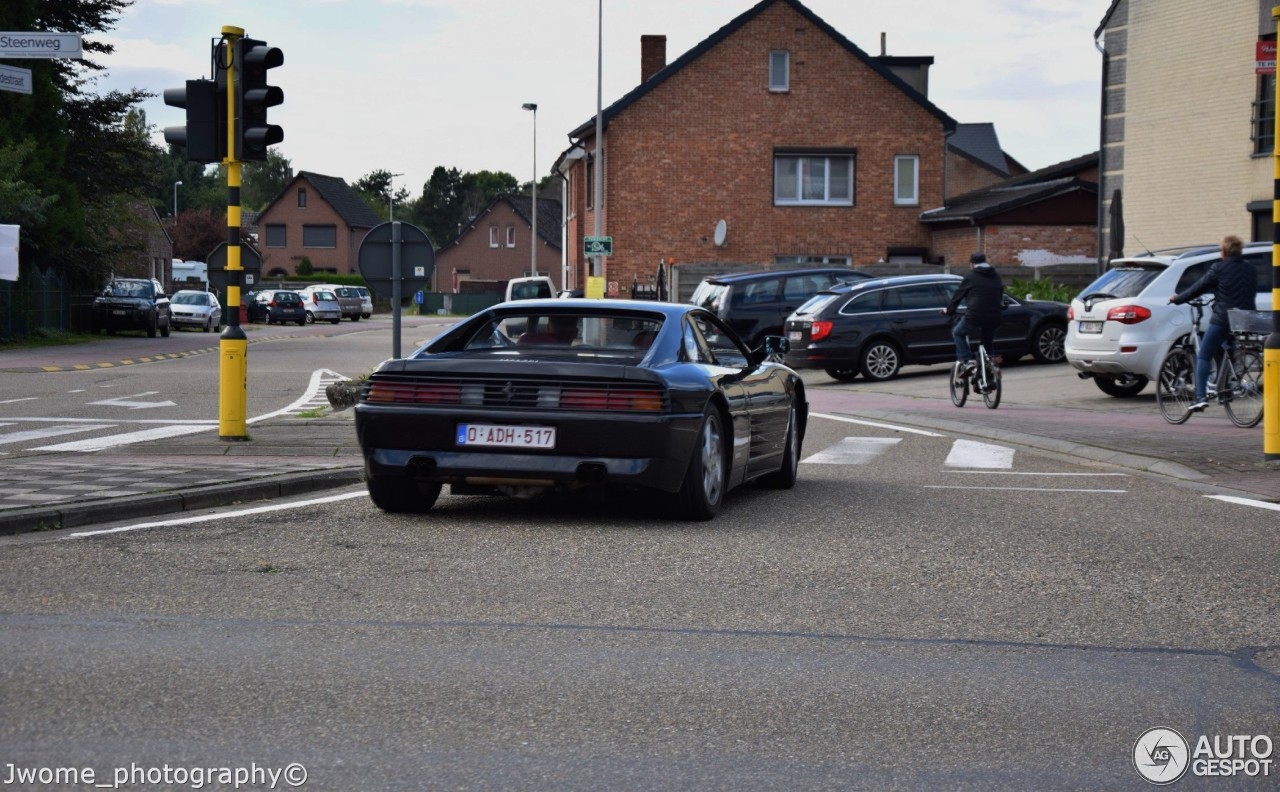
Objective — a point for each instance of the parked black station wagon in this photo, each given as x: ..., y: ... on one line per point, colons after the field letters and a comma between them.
x: 132, y: 304
x: 755, y: 304
x: 875, y: 327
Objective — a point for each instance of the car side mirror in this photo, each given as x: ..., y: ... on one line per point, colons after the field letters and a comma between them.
x: 776, y: 345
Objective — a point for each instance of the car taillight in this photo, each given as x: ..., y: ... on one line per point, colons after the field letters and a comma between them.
x: 272, y: 303
x: 1128, y: 314
x: 819, y: 330
x: 605, y: 399
x: 413, y: 393
x: 1071, y: 313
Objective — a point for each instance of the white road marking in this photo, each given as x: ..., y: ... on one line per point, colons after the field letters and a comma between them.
x: 972, y: 454
x: 1032, y: 473
x: 52, y: 431
x: 853, y: 451
x: 1021, y: 489
x: 179, y: 430
x: 24, y: 398
x: 222, y: 515
x: 121, y: 401
x: 876, y: 424
x: 1246, y: 502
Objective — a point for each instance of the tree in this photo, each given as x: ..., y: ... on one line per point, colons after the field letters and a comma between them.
x: 451, y: 199
x: 261, y: 182
x: 196, y: 232
x: 375, y: 189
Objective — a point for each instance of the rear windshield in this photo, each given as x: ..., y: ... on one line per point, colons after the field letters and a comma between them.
x: 131, y: 289
x: 709, y: 295
x: 324, y: 295
x: 531, y: 290
x: 582, y: 334
x: 287, y: 297
x: 815, y: 304
x: 347, y: 293
x: 1122, y: 282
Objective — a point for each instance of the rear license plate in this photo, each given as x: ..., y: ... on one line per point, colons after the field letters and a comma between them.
x: 506, y: 436
x: 119, y: 313
x: 1091, y: 327
x: 795, y: 335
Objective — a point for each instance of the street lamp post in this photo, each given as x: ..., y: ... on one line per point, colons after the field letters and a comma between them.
x: 175, y: 198
x: 533, y: 191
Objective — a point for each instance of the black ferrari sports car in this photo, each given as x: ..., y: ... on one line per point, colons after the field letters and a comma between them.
x: 535, y: 396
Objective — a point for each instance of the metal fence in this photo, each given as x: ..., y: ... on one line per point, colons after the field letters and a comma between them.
x: 40, y: 299
x: 457, y: 304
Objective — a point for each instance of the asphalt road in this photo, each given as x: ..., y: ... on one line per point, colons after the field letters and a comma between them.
x: 1015, y: 621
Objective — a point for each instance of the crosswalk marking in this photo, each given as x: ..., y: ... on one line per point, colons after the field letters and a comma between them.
x: 972, y: 454
x: 111, y: 441
x: 52, y: 431
x: 854, y: 451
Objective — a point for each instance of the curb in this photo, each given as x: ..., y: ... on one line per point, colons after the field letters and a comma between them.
x: 46, y: 518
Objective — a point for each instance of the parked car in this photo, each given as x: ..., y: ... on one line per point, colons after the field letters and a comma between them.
x: 350, y: 303
x: 877, y: 326
x: 131, y: 304
x: 276, y: 305
x: 1122, y: 326
x: 321, y: 305
x: 191, y: 308
x: 366, y: 301
x: 756, y: 304
x: 588, y: 394
x: 534, y: 287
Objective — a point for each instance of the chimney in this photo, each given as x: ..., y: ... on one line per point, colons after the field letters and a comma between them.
x: 653, y: 56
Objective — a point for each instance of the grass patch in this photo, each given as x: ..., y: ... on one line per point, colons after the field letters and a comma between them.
x: 314, y: 412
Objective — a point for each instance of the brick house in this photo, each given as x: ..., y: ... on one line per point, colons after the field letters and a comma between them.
x: 319, y: 217
x: 1044, y: 217
x: 146, y: 234
x: 975, y: 159
x: 1188, y: 121
x: 808, y: 148
x: 495, y: 246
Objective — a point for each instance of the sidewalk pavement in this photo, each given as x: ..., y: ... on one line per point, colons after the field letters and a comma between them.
x: 289, y: 455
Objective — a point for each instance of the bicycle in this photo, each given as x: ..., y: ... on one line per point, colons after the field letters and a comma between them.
x: 1236, y: 384
x: 984, y: 378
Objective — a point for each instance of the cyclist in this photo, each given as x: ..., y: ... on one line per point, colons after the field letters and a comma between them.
x: 1234, y: 282
x: 982, y: 293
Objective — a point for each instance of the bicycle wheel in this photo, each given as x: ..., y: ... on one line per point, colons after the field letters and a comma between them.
x: 1176, y: 386
x: 959, y: 385
x: 991, y: 393
x: 1240, y: 388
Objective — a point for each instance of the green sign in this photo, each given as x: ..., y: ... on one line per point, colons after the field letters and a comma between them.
x: 598, y: 245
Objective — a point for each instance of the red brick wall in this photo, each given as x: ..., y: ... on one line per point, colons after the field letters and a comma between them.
x: 699, y: 148
x: 964, y: 175
x: 344, y: 258
x: 1017, y: 244
x: 472, y: 252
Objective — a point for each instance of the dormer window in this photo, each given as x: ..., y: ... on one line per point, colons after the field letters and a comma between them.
x: 780, y: 71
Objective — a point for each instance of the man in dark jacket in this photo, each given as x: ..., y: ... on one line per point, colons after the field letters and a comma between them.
x: 982, y: 293
x: 1234, y: 283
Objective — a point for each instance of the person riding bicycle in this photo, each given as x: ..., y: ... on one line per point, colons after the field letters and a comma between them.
x: 982, y: 293
x: 1234, y: 283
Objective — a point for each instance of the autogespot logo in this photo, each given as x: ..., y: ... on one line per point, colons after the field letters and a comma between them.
x: 1160, y: 755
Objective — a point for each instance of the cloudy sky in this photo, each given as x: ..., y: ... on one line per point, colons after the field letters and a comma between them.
x: 406, y: 85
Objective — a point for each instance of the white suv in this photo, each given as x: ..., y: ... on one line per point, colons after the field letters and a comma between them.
x: 1121, y: 327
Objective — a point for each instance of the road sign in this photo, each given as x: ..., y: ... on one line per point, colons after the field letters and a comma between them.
x: 598, y: 245
x: 417, y: 259
x: 15, y: 79
x: 250, y: 263
x: 38, y: 44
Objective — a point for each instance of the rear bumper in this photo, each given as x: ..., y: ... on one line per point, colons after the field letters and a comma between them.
x: 642, y: 450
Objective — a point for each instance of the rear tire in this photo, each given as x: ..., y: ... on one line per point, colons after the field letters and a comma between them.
x: 881, y: 361
x: 1244, y: 404
x: 995, y: 387
x: 1048, y: 344
x: 401, y: 495
x: 1125, y: 386
x: 1176, y: 387
x: 310, y: 319
x: 705, y: 479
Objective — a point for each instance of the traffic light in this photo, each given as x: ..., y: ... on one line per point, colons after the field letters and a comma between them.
x: 205, y: 135
x: 253, y: 98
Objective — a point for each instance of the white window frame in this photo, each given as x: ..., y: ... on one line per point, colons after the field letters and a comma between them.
x: 913, y: 199
x: 493, y: 236
x: 511, y: 236
x: 806, y: 166
x: 779, y: 71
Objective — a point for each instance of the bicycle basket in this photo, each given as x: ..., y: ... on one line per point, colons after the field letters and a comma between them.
x: 1245, y: 321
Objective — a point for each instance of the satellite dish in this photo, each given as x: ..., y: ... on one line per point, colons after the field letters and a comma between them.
x: 721, y: 229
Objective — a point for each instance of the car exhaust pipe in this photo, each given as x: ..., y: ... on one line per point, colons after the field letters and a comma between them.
x: 592, y: 473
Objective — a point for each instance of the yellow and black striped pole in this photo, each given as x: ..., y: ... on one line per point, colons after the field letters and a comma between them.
x: 1271, y: 350
x: 233, y: 346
